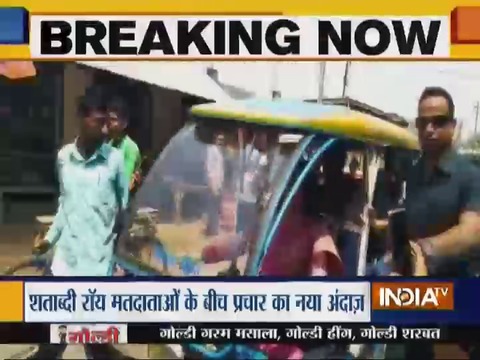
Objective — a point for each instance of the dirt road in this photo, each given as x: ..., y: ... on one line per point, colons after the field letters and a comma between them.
x: 16, y: 242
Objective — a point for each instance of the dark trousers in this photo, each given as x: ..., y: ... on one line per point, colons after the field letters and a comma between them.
x: 213, y: 214
x: 246, y: 215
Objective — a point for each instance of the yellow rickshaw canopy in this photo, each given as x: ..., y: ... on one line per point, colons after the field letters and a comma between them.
x: 312, y: 117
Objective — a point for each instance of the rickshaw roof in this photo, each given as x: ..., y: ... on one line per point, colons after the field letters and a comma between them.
x: 333, y: 119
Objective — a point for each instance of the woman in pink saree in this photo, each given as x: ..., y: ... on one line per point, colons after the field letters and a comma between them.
x: 305, y: 243
x: 303, y: 247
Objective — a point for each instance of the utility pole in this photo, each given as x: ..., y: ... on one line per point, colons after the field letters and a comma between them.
x: 275, y: 92
x: 477, y: 109
x: 458, y: 134
x: 346, y: 78
x: 346, y: 75
x: 321, y: 81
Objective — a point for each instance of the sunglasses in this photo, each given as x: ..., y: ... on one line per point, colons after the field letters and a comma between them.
x: 437, y: 121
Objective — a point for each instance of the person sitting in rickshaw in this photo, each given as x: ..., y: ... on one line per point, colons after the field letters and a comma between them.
x: 319, y: 235
x: 315, y: 218
x: 322, y: 217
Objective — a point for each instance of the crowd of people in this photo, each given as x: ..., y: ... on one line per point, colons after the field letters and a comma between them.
x: 439, y: 192
x: 226, y: 177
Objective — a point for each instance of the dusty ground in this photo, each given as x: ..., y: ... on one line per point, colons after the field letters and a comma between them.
x: 16, y: 242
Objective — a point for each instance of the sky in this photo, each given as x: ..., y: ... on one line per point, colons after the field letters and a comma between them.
x: 390, y: 86
x: 396, y: 87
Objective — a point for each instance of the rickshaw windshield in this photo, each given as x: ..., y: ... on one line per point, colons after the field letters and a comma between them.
x: 200, y: 206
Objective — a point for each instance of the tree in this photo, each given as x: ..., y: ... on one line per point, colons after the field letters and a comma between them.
x: 472, y: 143
x: 471, y: 148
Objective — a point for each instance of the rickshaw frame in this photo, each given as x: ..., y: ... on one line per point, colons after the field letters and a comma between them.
x: 272, y: 219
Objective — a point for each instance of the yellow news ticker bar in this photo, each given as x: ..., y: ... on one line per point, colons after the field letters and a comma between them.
x: 11, y: 301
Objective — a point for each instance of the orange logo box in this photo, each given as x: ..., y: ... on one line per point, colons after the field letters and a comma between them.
x: 412, y: 296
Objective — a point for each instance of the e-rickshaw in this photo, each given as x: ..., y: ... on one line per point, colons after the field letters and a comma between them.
x: 218, y: 200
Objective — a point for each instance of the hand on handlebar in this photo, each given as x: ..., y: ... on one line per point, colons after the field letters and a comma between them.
x: 419, y: 263
x: 40, y: 246
x: 372, y: 214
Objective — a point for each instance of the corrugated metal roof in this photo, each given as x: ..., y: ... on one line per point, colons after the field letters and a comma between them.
x: 186, y: 77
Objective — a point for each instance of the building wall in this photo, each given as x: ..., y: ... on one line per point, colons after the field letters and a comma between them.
x: 29, y: 115
x: 167, y: 116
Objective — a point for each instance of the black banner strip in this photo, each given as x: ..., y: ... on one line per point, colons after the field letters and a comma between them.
x: 308, y: 334
x: 255, y: 333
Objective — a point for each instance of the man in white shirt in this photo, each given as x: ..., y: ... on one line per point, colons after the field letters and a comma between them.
x: 214, y: 167
x: 249, y: 190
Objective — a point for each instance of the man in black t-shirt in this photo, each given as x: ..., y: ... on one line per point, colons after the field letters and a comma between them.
x: 442, y: 199
x: 443, y: 191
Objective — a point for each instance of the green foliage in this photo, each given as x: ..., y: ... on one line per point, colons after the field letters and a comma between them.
x: 471, y: 148
x: 472, y: 144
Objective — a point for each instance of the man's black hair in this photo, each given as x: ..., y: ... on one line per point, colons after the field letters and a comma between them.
x: 91, y: 101
x: 436, y: 91
x: 62, y: 327
x: 118, y: 106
